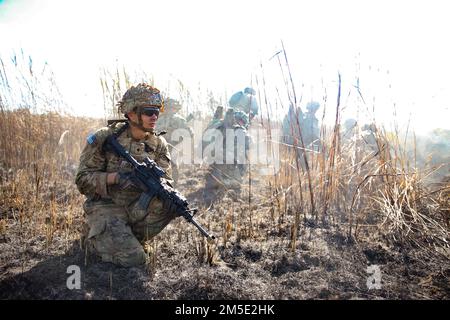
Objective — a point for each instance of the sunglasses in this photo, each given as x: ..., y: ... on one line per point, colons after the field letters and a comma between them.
x: 150, y: 111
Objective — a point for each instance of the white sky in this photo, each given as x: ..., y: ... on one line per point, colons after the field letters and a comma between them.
x: 398, y: 49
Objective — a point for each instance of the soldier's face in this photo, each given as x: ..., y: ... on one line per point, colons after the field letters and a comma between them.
x: 148, y: 121
x: 149, y: 117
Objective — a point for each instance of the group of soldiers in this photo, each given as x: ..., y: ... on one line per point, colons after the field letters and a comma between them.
x: 226, y: 177
x: 301, y: 131
x: 120, y: 217
x: 222, y: 177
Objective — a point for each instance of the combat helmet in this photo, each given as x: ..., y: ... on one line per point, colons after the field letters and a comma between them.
x: 138, y: 97
x: 245, y: 101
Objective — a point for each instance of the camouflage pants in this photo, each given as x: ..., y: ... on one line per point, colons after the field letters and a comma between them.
x: 115, y: 238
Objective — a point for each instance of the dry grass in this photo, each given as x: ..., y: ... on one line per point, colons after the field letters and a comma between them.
x: 39, y: 156
x: 359, y: 182
x: 365, y: 189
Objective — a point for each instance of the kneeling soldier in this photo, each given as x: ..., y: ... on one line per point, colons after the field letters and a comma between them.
x: 118, y: 223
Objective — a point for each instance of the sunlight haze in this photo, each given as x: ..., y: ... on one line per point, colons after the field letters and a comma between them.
x: 396, y: 49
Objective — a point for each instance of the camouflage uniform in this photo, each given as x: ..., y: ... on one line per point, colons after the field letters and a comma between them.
x: 169, y: 121
x: 369, y: 135
x: 349, y: 130
x: 245, y: 101
x: 311, y: 130
x: 228, y: 177
x: 117, y: 224
x: 217, y: 118
x: 291, y: 123
x: 309, y: 126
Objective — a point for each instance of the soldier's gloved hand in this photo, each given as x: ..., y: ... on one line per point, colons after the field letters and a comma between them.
x: 127, y: 180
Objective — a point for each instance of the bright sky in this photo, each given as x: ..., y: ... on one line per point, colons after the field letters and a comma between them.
x: 397, y: 49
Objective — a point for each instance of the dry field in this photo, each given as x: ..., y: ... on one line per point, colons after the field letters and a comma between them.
x: 322, y: 227
x: 302, y: 234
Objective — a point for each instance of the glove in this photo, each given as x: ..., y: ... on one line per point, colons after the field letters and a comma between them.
x: 128, y: 181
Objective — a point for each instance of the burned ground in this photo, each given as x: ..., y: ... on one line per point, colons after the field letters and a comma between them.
x: 258, y: 264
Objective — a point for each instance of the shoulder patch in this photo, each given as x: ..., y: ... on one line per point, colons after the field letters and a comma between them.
x: 98, y: 137
x: 91, y: 139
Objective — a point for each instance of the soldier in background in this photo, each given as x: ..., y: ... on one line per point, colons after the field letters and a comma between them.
x: 226, y: 177
x: 242, y: 122
x: 241, y: 119
x: 369, y: 135
x: 296, y: 122
x: 310, y: 127
x: 291, y: 122
x: 350, y: 130
x: 169, y: 121
x: 217, y: 118
x: 245, y: 101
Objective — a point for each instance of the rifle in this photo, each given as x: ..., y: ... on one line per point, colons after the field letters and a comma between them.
x: 149, y: 175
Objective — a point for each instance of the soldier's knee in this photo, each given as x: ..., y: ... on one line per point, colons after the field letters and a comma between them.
x: 113, y: 240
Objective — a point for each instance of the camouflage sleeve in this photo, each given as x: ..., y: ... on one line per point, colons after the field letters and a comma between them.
x: 163, y: 158
x: 91, y: 174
